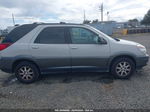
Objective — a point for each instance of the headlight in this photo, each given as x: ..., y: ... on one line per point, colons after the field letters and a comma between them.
x: 141, y: 48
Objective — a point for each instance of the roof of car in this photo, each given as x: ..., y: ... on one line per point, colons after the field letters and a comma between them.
x: 37, y: 24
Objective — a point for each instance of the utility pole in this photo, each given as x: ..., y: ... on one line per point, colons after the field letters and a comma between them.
x: 101, y: 9
x: 13, y: 19
x: 84, y: 16
x: 107, y: 16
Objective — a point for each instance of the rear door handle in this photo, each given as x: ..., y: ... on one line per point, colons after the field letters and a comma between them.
x: 35, y: 47
x: 74, y: 48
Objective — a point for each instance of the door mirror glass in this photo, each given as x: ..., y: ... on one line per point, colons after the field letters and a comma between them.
x: 102, y: 40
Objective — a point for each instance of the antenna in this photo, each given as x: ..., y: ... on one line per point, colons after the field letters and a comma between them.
x: 84, y: 16
x: 13, y: 19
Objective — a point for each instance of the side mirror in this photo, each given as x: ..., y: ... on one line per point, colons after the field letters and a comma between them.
x: 102, y: 40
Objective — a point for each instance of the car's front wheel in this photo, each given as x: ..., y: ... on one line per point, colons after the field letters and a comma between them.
x: 123, y: 68
x: 26, y: 72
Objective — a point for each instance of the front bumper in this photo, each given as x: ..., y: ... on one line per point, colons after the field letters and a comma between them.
x: 142, y: 61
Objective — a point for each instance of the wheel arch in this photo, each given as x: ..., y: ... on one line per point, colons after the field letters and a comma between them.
x: 16, y: 62
x: 121, y: 56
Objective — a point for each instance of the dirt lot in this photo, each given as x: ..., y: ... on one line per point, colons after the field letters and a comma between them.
x: 90, y: 91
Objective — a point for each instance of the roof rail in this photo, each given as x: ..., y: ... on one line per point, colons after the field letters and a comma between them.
x: 41, y: 23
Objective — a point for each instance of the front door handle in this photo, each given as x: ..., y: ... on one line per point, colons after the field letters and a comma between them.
x: 74, y: 48
x: 35, y: 47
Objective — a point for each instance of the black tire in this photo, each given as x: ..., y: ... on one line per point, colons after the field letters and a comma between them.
x: 120, y: 71
x: 31, y: 74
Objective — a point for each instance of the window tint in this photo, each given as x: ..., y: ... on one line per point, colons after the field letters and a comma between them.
x: 18, y: 33
x: 83, y: 36
x: 51, y: 35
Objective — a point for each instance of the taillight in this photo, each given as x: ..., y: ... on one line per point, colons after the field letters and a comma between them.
x: 4, y: 46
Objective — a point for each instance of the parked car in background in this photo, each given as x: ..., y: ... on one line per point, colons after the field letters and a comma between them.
x: 33, y: 49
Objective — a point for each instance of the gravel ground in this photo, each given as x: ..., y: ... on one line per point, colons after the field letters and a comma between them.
x: 86, y: 90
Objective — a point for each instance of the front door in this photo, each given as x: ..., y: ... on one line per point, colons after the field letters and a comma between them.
x: 87, y: 53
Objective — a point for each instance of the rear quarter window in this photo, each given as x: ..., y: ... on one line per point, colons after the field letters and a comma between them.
x: 18, y: 32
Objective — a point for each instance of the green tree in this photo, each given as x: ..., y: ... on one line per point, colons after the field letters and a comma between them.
x: 86, y: 22
x: 95, y: 21
x: 146, y: 19
x: 133, y: 20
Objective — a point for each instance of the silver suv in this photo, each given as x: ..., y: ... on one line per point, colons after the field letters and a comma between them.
x: 33, y: 49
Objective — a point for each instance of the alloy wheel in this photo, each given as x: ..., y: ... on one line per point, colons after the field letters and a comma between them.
x: 123, y: 68
x: 26, y: 73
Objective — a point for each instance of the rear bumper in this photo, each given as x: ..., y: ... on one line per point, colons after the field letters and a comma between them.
x: 6, y: 65
x: 142, y: 61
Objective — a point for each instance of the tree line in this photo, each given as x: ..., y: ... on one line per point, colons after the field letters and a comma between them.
x: 144, y: 21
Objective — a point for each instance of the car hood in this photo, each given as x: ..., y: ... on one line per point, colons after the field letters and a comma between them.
x: 127, y: 42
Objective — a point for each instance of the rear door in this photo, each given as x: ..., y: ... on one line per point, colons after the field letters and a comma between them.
x: 51, y: 50
x: 86, y: 52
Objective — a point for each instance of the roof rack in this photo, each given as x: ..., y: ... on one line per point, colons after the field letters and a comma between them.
x: 41, y: 23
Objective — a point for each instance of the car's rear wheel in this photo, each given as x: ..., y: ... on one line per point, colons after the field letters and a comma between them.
x: 26, y: 72
x: 123, y: 68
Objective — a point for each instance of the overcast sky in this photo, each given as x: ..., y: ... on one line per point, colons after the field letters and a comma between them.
x: 28, y: 11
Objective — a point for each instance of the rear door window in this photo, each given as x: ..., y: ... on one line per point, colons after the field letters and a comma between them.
x: 51, y: 35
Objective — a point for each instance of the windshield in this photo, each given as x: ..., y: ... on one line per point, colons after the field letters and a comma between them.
x: 103, y: 34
